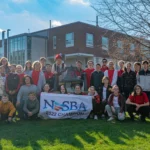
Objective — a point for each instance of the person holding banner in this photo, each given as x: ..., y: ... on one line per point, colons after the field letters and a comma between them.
x: 46, y: 88
x: 31, y: 106
x: 63, y: 89
x: 143, y: 78
x: 138, y: 102
x: 115, y: 106
x: 95, y: 102
x: 78, y: 90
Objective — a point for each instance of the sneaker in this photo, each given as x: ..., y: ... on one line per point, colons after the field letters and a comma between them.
x: 103, y: 116
x: 110, y: 119
x: 95, y: 117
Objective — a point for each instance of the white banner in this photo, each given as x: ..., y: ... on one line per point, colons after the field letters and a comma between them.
x: 62, y: 106
x: 145, y: 83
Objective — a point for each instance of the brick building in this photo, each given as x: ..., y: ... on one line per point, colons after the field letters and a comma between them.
x: 78, y: 41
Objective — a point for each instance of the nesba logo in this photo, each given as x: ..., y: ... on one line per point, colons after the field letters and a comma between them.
x: 64, y: 106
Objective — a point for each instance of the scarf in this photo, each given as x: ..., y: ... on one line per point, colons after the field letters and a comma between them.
x: 35, y: 77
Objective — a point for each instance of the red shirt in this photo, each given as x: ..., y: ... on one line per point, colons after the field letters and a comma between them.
x: 88, y: 75
x: 110, y: 75
x: 120, y: 72
x: 21, y: 76
x: 48, y: 75
x: 104, y: 68
x: 139, y: 99
x: 35, y: 77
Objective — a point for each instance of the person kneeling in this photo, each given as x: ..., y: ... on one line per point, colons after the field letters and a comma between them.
x: 115, y: 106
x: 138, y: 102
x: 7, y: 109
x: 31, y: 107
x: 95, y: 101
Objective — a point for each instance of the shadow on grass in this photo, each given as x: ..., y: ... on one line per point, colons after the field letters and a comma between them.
x: 76, y: 133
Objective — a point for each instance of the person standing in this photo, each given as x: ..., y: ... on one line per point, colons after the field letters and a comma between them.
x: 96, y: 78
x: 49, y: 76
x: 19, y: 71
x: 143, y: 78
x: 128, y: 80
x: 120, y: 72
x: 12, y: 84
x: 43, y: 62
x: 4, y: 62
x: 58, y: 69
x: 28, y: 67
x: 38, y: 76
x: 137, y: 67
x: 89, y: 71
x: 111, y: 73
x: 2, y: 81
x: 104, y: 65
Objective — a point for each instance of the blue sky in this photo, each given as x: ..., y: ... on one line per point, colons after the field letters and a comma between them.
x: 21, y: 15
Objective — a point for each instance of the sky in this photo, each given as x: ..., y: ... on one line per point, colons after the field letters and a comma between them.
x: 21, y: 15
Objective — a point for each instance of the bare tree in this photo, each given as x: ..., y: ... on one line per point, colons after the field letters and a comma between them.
x: 130, y: 17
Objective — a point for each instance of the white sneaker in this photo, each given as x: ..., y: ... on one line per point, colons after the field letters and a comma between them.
x: 103, y: 116
x: 95, y: 117
x: 110, y: 119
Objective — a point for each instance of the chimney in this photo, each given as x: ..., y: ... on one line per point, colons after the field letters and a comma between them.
x: 50, y: 24
x: 7, y: 43
x: 3, y: 43
x: 97, y: 21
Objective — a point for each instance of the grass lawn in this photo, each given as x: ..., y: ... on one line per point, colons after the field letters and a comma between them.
x: 75, y: 134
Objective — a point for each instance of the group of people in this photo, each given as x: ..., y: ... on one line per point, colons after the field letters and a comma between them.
x: 113, y: 91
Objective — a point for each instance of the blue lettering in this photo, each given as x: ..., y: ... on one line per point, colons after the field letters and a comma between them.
x: 73, y: 105
x: 47, y: 103
x: 65, y: 106
x: 82, y: 107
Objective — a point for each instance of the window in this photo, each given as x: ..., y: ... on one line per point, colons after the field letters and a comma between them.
x: 105, y: 43
x: 132, y: 47
x: 70, y: 40
x: 54, y: 42
x: 145, y: 46
x: 120, y: 46
x: 89, y: 40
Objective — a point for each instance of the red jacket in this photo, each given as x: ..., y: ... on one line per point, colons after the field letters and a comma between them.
x: 48, y: 75
x: 88, y: 75
x: 104, y: 68
x: 21, y: 76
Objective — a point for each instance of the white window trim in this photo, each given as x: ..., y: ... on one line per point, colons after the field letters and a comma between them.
x: 89, y: 43
x: 70, y: 41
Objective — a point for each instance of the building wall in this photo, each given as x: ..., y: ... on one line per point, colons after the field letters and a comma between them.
x: 38, y: 48
x: 80, y: 30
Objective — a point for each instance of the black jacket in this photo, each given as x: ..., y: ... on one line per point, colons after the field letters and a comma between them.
x: 96, y: 79
x: 12, y: 82
x: 108, y: 92
x: 144, y: 73
x: 128, y: 80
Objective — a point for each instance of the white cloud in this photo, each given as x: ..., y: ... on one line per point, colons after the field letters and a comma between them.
x: 1, y: 30
x: 21, y: 22
x: 81, y: 2
x: 56, y: 23
x: 20, y: 1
